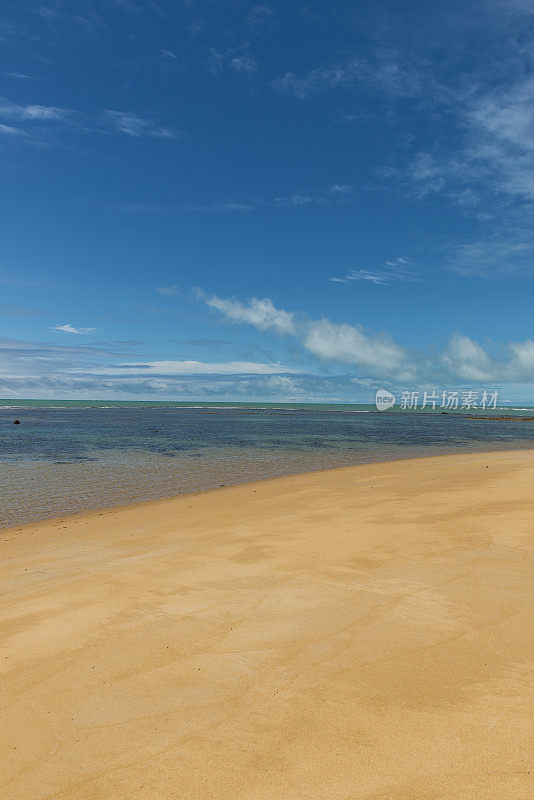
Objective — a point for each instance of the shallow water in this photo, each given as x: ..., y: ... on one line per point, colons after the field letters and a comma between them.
x: 62, y: 460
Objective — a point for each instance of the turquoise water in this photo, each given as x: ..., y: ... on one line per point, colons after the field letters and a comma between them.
x: 69, y: 456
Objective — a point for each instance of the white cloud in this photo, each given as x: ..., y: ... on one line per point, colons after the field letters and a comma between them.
x: 258, y: 312
x: 348, y: 344
x: 379, y: 356
x: 329, y: 341
x: 521, y: 367
x: 68, y: 328
x: 468, y: 360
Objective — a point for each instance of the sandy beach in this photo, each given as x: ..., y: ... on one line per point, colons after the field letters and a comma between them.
x: 357, y: 633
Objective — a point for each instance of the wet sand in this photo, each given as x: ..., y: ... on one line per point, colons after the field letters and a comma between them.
x: 357, y: 633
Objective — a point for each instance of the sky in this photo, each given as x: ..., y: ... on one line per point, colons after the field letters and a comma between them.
x: 284, y: 201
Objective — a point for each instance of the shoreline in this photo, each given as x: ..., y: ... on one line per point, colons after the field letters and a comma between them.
x: 140, y: 503
x: 344, y: 634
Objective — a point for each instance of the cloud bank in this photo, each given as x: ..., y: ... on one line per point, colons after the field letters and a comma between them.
x: 378, y: 355
x: 327, y: 340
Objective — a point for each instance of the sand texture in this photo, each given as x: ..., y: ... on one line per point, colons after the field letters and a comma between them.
x: 358, y: 633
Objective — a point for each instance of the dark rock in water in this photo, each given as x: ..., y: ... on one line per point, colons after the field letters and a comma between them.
x: 16, y: 422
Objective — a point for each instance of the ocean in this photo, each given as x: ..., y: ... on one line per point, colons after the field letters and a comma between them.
x: 68, y: 456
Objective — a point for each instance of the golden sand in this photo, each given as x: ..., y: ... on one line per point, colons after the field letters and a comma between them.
x: 358, y: 633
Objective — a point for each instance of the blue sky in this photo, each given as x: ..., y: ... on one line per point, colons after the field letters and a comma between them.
x: 216, y: 199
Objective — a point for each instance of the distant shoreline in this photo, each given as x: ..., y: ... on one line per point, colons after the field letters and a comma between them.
x: 501, y: 412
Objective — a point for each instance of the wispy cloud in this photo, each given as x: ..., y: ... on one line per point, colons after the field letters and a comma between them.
x: 193, y: 368
x: 17, y: 311
x: 38, y: 358
x: 495, y: 157
x: 361, y: 275
x: 479, y: 151
x: 397, y: 269
x: 33, y: 112
x: 170, y: 291
x: 320, y: 80
x: 43, y: 369
x: 9, y: 130
x: 237, y: 60
x: 260, y: 18
x: 35, y: 121
x: 189, y: 387
x: 32, y: 369
x: 224, y: 207
x: 295, y: 200
x: 337, y: 194
x: 36, y: 369
x: 341, y: 189
x: 493, y: 258
x: 68, y: 328
x: 20, y: 76
x: 388, y: 72
x: 136, y: 126
x: 489, y: 174
x: 14, y: 278
x: 501, y: 145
